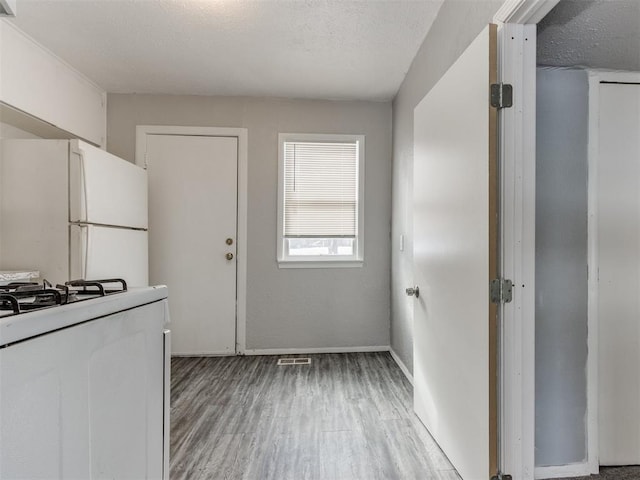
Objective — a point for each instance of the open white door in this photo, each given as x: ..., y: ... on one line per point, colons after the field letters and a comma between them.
x: 455, y: 255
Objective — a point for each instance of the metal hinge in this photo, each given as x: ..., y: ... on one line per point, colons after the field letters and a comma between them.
x: 501, y: 476
x: 501, y: 95
x: 501, y: 290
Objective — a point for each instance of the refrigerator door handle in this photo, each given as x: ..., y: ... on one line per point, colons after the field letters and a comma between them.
x: 78, y: 251
x: 85, y: 245
x: 78, y: 204
x: 83, y: 190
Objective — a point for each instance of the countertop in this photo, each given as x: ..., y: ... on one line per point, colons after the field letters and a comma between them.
x: 7, y: 276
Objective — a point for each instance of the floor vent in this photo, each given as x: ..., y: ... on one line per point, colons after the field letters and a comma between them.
x: 294, y: 361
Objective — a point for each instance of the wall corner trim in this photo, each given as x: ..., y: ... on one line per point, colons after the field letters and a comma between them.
x: 402, y: 366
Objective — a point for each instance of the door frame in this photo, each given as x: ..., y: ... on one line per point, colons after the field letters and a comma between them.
x: 517, y: 20
x: 517, y: 46
x: 241, y: 134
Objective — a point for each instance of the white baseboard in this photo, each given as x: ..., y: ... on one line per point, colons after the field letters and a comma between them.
x: 298, y: 351
x: 572, y: 470
x: 402, y: 366
x: 203, y: 354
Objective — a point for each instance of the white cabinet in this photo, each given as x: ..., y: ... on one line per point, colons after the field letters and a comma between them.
x: 86, y: 401
x: 34, y: 81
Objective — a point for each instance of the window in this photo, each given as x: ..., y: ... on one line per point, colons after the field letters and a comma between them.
x: 320, y: 200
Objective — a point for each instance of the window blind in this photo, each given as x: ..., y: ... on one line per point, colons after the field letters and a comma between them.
x: 320, y: 189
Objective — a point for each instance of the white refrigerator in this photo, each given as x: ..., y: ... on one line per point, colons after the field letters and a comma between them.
x: 71, y: 210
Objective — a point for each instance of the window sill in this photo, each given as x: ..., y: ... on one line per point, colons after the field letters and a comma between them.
x: 320, y: 263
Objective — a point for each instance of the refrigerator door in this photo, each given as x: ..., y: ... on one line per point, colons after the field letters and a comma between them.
x: 105, y: 189
x: 98, y: 252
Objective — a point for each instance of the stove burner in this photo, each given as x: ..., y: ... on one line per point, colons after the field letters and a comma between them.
x: 7, y: 301
x: 25, y: 296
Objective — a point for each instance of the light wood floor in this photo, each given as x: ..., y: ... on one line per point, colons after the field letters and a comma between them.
x: 346, y: 416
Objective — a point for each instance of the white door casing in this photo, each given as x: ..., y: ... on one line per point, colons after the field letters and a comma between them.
x: 517, y: 21
x: 454, y: 257
x: 193, y: 211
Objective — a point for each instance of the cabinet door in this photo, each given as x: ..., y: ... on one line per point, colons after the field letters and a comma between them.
x: 44, y: 412
x: 38, y: 83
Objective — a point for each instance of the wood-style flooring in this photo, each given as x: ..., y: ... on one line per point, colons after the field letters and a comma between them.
x: 345, y: 416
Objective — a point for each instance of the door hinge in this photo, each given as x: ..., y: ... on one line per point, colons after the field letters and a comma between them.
x: 501, y: 290
x: 501, y: 95
x: 501, y: 476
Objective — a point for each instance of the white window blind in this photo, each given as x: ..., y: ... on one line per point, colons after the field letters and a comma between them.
x: 320, y: 189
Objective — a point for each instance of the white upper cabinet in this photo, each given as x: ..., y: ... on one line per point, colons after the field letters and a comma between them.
x: 36, y: 82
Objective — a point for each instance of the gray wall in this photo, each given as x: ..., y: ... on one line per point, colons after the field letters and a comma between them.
x: 290, y: 308
x: 561, y: 266
x: 457, y: 24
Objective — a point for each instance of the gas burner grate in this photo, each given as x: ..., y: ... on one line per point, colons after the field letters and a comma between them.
x: 97, y: 287
x: 20, y: 297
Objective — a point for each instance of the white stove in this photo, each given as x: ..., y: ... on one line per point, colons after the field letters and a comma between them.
x: 85, y: 380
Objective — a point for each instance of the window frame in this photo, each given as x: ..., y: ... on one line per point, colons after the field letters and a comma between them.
x: 320, y: 261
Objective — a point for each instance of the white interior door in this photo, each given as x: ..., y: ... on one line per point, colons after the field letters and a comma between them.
x: 192, y: 237
x: 618, y: 233
x: 455, y: 223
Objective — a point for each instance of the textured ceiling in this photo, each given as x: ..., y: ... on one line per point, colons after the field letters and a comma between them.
x: 591, y: 33
x: 337, y: 49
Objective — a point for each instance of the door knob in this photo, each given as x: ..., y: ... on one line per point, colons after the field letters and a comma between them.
x: 413, y: 291
x: 229, y: 256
